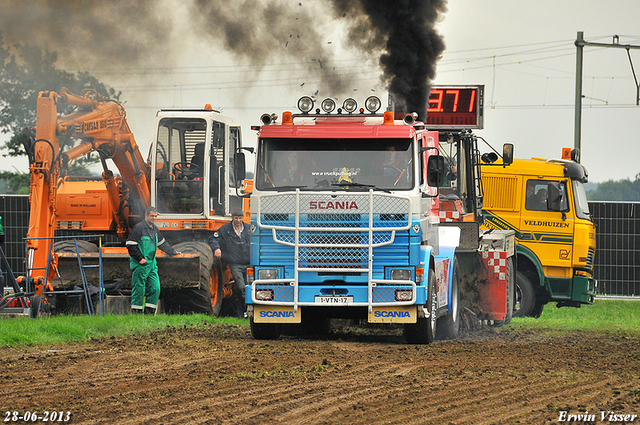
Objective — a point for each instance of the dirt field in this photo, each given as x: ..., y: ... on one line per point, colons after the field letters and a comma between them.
x: 221, y: 375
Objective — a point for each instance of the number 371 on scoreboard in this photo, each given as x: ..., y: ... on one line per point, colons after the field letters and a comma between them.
x: 456, y: 107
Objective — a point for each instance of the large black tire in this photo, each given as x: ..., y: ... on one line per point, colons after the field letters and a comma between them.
x: 265, y: 330
x: 424, y: 330
x: 216, y: 287
x: 525, y: 296
x: 60, y: 303
x: 34, y: 302
x: 195, y: 300
x: 69, y: 246
x: 448, y: 326
x: 511, y: 294
x: 537, y: 310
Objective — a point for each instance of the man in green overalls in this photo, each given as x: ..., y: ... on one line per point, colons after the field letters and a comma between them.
x: 142, y: 243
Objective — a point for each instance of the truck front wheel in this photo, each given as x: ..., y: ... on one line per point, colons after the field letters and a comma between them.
x: 525, y: 296
x: 424, y: 330
x: 448, y: 326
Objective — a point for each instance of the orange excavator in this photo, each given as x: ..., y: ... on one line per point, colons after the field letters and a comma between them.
x: 189, y: 177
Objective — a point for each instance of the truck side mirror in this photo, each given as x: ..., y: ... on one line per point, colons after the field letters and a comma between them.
x: 507, y: 153
x: 435, y: 171
x: 554, y: 199
x: 239, y: 170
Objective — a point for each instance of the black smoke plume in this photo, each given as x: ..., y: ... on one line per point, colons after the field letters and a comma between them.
x: 89, y: 34
x: 267, y: 31
x: 150, y: 34
x: 402, y: 32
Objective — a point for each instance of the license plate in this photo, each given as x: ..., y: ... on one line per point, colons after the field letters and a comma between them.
x: 344, y: 300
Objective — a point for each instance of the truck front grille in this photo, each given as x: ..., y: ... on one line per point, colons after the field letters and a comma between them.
x: 334, y: 231
x: 590, y: 257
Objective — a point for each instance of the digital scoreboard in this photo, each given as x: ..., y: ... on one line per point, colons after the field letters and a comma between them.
x: 455, y: 107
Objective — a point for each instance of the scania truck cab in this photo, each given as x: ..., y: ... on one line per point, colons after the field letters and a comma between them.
x: 345, y: 224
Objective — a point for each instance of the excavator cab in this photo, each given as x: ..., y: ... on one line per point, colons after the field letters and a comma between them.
x: 193, y: 151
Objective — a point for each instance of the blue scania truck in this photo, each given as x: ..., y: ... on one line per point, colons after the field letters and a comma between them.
x: 346, y: 223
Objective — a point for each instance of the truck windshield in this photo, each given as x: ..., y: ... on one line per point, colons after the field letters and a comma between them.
x: 580, y: 195
x: 327, y: 164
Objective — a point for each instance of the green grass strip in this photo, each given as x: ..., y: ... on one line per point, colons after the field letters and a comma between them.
x: 59, y: 329
x: 602, y: 315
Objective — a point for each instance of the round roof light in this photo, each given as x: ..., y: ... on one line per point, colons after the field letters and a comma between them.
x: 305, y: 104
x: 372, y: 104
x: 328, y: 105
x: 350, y: 105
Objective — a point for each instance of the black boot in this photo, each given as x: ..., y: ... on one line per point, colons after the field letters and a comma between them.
x: 137, y: 311
x: 150, y: 310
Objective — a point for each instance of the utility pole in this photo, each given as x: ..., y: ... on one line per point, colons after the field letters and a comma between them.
x: 580, y: 43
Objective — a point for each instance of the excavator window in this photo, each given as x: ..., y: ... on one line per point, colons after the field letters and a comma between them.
x: 180, y: 157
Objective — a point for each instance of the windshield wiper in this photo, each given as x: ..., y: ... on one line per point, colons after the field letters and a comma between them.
x: 302, y: 186
x: 346, y: 184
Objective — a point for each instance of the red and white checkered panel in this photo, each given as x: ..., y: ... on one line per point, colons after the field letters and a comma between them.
x: 449, y: 216
x: 496, y: 262
x: 492, y: 290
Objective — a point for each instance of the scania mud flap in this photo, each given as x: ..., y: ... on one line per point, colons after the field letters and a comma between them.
x: 492, y: 285
x: 181, y: 271
x: 276, y: 314
x: 400, y: 314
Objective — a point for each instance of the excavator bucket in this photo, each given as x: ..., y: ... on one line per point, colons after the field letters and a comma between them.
x: 178, y: 272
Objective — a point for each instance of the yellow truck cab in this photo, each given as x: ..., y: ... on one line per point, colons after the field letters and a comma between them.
x: 545, y: 203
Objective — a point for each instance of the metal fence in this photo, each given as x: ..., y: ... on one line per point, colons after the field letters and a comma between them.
x: 617, y: 263
x: 14, y: 210
x: 616, y: 266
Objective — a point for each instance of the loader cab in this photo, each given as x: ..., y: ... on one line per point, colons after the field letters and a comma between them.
x: 460, y: 191
x: 193, y: 157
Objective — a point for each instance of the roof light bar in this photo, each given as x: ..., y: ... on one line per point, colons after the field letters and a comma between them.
x: 306, y: 105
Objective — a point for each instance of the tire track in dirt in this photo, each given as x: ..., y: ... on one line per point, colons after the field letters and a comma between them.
x: 220, y: 375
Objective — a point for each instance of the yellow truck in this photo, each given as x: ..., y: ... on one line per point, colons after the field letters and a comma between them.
x: 545, y: 203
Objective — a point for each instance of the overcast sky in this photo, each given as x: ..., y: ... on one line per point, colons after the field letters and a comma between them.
x: 172, y: 53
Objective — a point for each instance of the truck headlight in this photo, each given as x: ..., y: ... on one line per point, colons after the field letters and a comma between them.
x: 350, y: 105
x: 328, y: 105
x: 267, y: 274
x: 264, y: 294
x: 372, y: 104
x: 404, y: 295
x: 305, y: 104
x: 400, y: 274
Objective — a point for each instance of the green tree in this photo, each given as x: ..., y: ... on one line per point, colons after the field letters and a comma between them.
x: 26, y: 70
x: 621, y: 190
x: 17, y: 183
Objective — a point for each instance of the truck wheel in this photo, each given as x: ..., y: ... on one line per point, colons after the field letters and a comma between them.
x: 197, y: 300
x: 34, y: 303
x: 424, y: 330
x: 537, y: 310
x: 69, y: 247
x: 265, y: 330
x: 511, y: 288
x: 525, y: 296
x: 216, y: 287
x: 448, y: 326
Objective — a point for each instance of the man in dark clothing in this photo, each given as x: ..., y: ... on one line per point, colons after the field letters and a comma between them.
x: 142, y: 243
x: 232, y: 243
